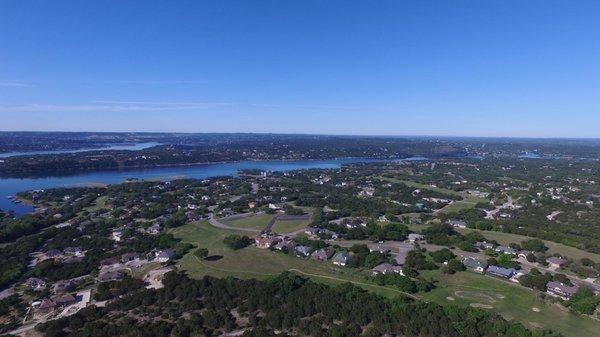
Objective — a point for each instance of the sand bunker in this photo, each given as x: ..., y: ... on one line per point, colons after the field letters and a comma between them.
x: 474, y: 295
x: 449, y: 298
x: 481, y: 305
x: 534, y: 309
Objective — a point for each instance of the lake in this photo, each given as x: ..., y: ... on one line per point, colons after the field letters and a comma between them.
x: 11, y: 186
x: 117, y: 147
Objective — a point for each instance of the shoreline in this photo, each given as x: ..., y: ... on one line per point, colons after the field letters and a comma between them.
x: 150, y: 166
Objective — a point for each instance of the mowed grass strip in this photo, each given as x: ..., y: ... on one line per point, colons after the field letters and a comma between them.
x: 511, y: 300
x: 256, y: 221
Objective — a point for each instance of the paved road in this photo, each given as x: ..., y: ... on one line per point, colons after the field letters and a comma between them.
x: 23, y: 329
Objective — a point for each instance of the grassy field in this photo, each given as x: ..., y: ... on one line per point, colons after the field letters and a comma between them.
x: 553, y: 247
x: 511, y: 300
x: 289, y: 225
x: 257, y: 221
x: 260, y: 221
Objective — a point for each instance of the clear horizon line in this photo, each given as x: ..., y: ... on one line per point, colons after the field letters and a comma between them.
x: 307, y: 134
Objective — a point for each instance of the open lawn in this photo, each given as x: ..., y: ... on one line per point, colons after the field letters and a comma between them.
x: 252, y: 262
x: 289, y: 225
x: 553, y: 247
x: 256, y: 221
x: 511, y: 300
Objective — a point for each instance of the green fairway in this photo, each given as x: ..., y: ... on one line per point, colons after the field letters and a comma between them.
x: 255, y: 221
x: 553, y: 247
x: 289, y: 225
x: 509, y: 299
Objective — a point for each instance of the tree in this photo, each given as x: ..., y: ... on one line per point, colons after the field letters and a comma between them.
x: 201, y: 253
x: 534, y: 245
x: 236, y: 242
x: 442, y: 255
x: 584, y: 301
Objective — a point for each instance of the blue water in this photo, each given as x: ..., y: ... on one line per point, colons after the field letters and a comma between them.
x: 11, y: 186
x: 128, y: 147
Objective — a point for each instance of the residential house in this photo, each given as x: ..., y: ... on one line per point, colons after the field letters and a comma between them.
x: 264, y: 242
x: 484, y: 245
x: 400, y: 258
x: 53, y: 254
x: 154, y: 229
x: 501, y: 272
x: 127, y: 257
x: 64, y: 285
x: 385, y: 268
x: 379, y: 248
x: 163, y: 255
x: 63, y: 300
x: 110, y: 276
x: 340, y: 259
x: 312, y: 231
x: 561, y: 290
x: 556, y: 262
x: 284, y: 245
x: 46, y: 305
x: 413, y: 237
x: 75, y: 251
x: 457, y: 223
x: 474, y: 264
x: 323, y: 254
x: 35, y: 283
x: 117, y: 235
x: 302, y: 251
x: 523, y: 254
x: 506, y: 250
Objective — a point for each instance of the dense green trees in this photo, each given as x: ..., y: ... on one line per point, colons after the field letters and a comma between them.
x: 236, y: 242
x: 286, y: 303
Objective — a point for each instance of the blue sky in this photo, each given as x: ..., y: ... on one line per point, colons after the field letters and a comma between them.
x: 471, y: 68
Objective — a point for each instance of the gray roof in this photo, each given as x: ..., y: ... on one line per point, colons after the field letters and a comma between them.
x: 561, y: 288
x: 304, y: 250
x: 415, y: 236
x: 506, y: 272
x: 386, y: 267
x: 401, y: 257
x: 556, y: 260
x: 473, y: 263
x: 505, y: 249
x: 341, y: 257
x: 323, y: 253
